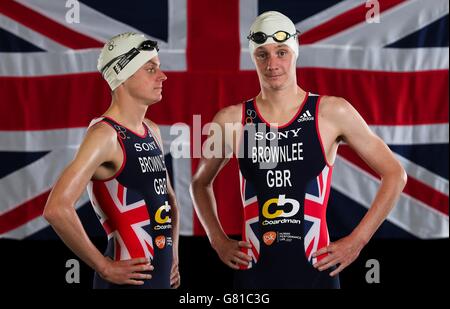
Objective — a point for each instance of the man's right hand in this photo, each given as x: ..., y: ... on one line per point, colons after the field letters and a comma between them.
x: 229, y: 251
x: 126, y: 271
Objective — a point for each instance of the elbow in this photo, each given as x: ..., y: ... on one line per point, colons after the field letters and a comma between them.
x: 53, y: 211
x: 198, y: 189
x: 192, y: 188
x: 195, y: 183
x: 403, y: 177
x: 50, y: 212
x: 396, y: 176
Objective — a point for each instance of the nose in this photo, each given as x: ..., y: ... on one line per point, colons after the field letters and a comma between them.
x: 163, y: 76
x: 272, y: 63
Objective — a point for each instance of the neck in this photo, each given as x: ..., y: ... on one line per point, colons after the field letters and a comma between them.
x: 281, y: 99
x: 127, y: 111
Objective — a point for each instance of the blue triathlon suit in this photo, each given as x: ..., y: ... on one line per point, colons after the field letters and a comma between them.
x: 285, y: 185
x: 133, y: 206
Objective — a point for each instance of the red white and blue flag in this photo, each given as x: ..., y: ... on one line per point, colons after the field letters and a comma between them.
x: 132, y: 239
x: 394, y: 72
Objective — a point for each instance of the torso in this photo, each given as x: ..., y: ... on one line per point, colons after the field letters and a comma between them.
x: 132, y: 204
x: 284, y: 189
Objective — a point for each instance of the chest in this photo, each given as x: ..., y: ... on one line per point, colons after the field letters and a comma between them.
x: 294, y: 150
x: 144, y: 159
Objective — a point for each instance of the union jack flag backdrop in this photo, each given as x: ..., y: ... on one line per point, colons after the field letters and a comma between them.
x: 394, y: 72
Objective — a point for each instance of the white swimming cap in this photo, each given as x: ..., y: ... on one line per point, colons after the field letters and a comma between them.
x: 269, y: 23
x: 115, y: 69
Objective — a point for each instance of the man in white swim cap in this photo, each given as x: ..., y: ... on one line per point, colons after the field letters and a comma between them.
x: 273, y: 27
x: 123, y: 55
x: 273, y: 31
x: 121, y: 163
x: 285, y: 241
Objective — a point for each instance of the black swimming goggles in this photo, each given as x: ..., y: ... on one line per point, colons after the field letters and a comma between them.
x: 128, y: 56
x: 279, y: 36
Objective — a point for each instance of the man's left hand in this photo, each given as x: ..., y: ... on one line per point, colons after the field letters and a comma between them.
x: 343, y: 252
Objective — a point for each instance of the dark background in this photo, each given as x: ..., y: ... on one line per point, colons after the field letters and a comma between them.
x: 404, y: 263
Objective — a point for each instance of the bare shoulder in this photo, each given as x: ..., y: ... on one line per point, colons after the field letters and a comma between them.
x: 331, y: 106
x: 101, y: 133
x: 99, y: 145
x: 229, y: 114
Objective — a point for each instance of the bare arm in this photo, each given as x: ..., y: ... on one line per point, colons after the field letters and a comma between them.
x: 356, y: 133
x: 60, y: 212
x: 204, y: 200
x: 202, y: 193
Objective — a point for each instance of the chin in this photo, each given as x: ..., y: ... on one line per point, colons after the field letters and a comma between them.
x: 157, y: 99
x: 276, y: 85
x: 151, y: 101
